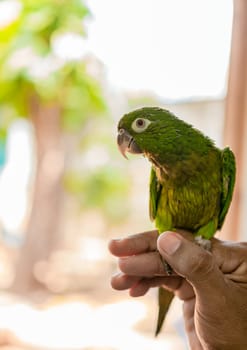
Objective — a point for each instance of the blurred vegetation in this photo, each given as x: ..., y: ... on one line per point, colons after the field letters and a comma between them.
x: 30, y: 68
x: 34, y: 29
x: 105, y: 188
x: 62, y: 99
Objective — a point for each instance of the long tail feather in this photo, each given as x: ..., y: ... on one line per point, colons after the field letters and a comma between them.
x: 165, y: 299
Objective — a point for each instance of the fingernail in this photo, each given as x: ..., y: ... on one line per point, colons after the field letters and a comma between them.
x: 169, y: 242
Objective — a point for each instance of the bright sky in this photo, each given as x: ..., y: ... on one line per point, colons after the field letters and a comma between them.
x: 15, y: 176
x: 176, y: 49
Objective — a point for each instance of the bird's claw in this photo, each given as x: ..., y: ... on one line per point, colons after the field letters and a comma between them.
x: 204, y: 243
x: 168, y: 269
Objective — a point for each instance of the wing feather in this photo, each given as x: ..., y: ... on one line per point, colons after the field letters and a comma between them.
x: 228, y: 181
x: 154, y: 194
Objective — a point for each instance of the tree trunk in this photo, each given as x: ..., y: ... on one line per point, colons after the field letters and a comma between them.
x: 235, y: 116
x: 42, y: 234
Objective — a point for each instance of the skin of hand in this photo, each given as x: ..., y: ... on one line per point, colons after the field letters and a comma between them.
x: 212, y: 285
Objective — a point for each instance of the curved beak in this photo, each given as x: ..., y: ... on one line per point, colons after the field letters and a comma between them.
x: 126, y: 143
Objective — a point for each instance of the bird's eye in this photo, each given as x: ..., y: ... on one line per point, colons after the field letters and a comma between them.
x: 140, y: 124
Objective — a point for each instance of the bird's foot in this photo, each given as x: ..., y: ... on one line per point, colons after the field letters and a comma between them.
x: 204, y: 243
x: 168, y: 269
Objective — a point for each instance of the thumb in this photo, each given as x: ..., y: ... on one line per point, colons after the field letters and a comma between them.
x: 191, y: 261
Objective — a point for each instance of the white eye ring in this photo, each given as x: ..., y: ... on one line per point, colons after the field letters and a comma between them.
x: 140, y: 124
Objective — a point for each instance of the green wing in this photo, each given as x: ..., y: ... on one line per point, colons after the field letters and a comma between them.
x: 154, y: 194
x: 228, y: 181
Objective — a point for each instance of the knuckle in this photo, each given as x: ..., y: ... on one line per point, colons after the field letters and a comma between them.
x: 123, y: 264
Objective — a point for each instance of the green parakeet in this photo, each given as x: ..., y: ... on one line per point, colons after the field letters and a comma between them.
x: 191, y: 182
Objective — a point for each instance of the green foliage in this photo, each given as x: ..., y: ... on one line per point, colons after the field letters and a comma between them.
x: 100, y: 182
x: 104, y: 188
x: 29, y: 66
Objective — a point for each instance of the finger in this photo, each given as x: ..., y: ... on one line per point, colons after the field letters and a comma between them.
x: 181, y: 288
x: 145, y: 265
x: 139, y: 289
x: 139, y: 286
x: 194, y: 263
x: 121, y: 281
x: 143, y: 285
x: 134, y: 244
x: 231, y: 257
x: 185, y: 291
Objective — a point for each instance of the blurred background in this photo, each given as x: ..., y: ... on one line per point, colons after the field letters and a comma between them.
x: 68, y: 71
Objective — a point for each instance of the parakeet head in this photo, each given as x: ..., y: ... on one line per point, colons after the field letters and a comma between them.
x: 138, y: 130
x: 159, y: 135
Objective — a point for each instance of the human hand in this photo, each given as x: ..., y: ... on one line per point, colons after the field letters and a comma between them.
x: 212, y: 285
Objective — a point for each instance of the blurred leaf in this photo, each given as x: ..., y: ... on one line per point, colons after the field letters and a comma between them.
x: 8, y: 32
x: 3, y: 135
x: 27, y: 66
x: 37, y: 21
x: 104, y: 188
